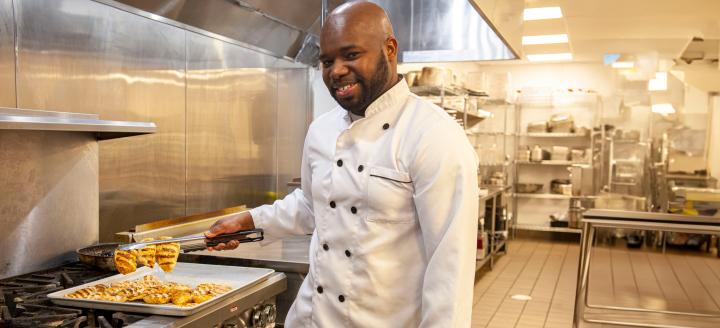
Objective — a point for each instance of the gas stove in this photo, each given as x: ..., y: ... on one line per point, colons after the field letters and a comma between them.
x: 24, y: 303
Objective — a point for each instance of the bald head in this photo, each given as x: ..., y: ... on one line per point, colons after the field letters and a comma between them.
x: 358, y: 52
x: 362, y: 15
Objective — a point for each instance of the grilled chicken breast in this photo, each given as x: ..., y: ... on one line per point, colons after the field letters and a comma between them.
x: 126, y: 261
x: 150, y: 289
x: 167, y: 255
x: 147, y: 254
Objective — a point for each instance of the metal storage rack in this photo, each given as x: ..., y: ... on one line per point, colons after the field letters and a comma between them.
x: 493, y: 140
x: 465, y: 108
x: 587, y: 113
x: 454, y: 101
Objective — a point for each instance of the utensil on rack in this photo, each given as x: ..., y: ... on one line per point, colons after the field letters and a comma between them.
x: 412, y: 77
x: 528, y: 188
x: 538, y: 154
x: 560, y: 186
x: 244, y: 236
x: 561, y: 123
x: 537, y: 127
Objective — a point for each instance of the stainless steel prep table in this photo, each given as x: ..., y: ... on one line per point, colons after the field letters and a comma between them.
x: 595, y: 218
x: 493, y: 193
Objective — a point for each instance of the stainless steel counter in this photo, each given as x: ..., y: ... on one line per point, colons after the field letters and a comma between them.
x: 637, y: 216
x: 287, y: 255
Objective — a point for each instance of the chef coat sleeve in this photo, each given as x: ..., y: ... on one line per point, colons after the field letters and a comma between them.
x: 292, y: 215
x: 444, y: 173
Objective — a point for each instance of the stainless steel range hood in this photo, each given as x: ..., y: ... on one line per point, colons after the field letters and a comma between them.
x: 427, y: 30
x: 281, y: 28
x: 441, y: 31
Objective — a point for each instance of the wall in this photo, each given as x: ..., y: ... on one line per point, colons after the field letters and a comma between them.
x: 323, y: 102
x: 7, y: 54
x: 49, y: 198
x: 216, y: 104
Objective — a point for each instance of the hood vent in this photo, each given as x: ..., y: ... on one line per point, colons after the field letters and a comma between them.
x: 699, y: 65
x: 281, y: 28
x: 441, y: 31
x: 427, y: 30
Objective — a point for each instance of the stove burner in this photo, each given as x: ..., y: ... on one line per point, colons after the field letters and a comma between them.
x: 24, y: 302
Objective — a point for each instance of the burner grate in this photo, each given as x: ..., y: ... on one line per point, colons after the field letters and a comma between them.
x: 24, y: 302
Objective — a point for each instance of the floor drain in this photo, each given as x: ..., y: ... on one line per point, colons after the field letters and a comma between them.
x: 519, y: 297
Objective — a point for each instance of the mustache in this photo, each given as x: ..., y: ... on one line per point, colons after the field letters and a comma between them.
x: 340, y: 83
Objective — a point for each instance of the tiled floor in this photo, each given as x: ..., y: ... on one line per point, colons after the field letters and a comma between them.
x: 547, y: 271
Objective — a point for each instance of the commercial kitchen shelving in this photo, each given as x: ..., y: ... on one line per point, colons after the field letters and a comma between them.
x: 549, y: 162
x: 532, y: 211
x: 542, y: 196
x: 436, y: 91
x: 554, y: 135
x: 441, y: 96
x: 547, y: 229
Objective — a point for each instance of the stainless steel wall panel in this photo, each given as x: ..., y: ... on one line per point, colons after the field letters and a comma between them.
x: 292, y: 122
x: 7, y: 54
x: 48, y: 198
x: 83, y: 56
x: 231, y: 103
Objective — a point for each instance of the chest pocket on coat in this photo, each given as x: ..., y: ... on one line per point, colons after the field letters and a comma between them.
x: 389, y: 196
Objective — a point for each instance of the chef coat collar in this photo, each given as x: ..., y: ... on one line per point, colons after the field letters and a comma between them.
x: 391, y: 98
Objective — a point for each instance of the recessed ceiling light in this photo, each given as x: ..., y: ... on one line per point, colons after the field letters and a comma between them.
x: 663, y: 109
x: 623, y: 64
x: 542, y: 13
x: 545, y: 39
x: 550, y: 57
x: 659, y: 83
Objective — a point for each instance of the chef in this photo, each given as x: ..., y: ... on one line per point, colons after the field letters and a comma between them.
x: 389, y: 193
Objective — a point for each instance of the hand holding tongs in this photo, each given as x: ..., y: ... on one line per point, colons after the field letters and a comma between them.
x: 244, y: 236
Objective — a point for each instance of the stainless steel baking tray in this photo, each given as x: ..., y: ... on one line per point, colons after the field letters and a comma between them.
x: 239, y: 278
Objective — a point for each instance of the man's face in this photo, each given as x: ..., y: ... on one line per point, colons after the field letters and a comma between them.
x: 355, y: 69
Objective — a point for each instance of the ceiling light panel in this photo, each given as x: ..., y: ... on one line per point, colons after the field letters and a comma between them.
x: 659, y: 83
x: 550, y: 57
x: 544, y: 39
x: 542, y: 13
x: 663, y: 109
x: 623, y: 64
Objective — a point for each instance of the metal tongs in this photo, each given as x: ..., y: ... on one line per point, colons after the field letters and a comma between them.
x: 244, y: 236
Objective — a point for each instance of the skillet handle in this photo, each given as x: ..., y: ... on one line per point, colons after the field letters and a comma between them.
x: 244, y: 236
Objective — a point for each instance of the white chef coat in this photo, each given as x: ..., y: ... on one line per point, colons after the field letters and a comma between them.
x: 391, y: 201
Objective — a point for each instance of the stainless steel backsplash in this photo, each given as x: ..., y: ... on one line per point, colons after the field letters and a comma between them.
x: 231, y: 120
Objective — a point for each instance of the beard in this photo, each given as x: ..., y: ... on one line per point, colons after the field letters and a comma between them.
x: 372, y: 89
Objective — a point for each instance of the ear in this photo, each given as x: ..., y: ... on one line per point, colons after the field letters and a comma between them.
x: 391, y: 48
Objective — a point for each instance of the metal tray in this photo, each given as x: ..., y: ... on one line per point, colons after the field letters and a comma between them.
x: 239, y: 278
